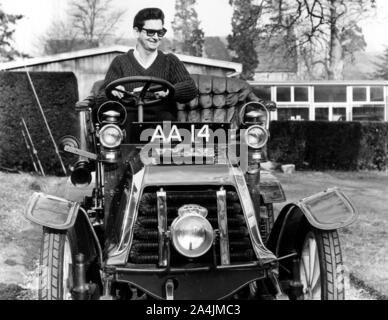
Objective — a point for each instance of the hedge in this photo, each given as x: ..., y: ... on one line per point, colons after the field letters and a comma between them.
x: 58, y: 93
x: 322, y: 145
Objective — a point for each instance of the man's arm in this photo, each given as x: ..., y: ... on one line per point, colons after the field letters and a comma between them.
x: 114, y: 72
x: 185, y: 88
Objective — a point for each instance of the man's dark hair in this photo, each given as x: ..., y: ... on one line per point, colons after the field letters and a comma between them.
x: 147, y: 14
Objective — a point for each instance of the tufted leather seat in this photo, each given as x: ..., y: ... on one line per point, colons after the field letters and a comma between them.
x: 218, y: 100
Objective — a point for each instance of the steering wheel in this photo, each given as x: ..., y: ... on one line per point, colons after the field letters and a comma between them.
x: 141, y: 97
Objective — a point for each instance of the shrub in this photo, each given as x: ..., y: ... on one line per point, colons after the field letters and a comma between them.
x: 321, y: 145
x: 57, y: 92
x: 373, y: 152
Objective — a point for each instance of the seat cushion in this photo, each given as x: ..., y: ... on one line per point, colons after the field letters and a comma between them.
x: 218, y: 99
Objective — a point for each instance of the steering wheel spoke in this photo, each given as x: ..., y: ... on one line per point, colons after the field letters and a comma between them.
x: 150, y: 84
x: 123, y: 91
x: 145, y: 90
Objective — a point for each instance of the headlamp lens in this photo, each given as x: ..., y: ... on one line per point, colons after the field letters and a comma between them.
x: 192, y: 235
x: 256, y: 137
x: 111, y: 136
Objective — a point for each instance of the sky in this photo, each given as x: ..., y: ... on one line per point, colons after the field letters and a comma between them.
x: 215, y: 17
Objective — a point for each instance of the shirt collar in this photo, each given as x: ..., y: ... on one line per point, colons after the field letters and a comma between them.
x: 145, y: 65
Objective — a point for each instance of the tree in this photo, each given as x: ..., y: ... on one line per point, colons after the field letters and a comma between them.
x: 244, y: 35
x: 94, y: 19
x: 326, y: 32
x: 215, y: 48
x: 61, y: 37
x: 186, y: 27
x: 7, y: 23
x: 88, y: 24
x: 382, y: 66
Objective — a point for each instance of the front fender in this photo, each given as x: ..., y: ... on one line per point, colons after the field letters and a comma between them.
x: 52, y: 212
x: 327, y: 210
x: 61, y: 214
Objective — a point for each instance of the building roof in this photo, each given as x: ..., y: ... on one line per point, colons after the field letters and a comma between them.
x: 321, y: 83
x: 233, y: 66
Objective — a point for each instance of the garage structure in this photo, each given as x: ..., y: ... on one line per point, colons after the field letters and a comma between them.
x: 90, y: 65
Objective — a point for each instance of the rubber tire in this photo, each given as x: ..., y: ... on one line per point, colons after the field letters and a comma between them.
x: 331, y: 264
x: 51, y: 264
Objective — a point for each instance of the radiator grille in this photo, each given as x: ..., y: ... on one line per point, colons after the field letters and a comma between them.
x: 144, y: 249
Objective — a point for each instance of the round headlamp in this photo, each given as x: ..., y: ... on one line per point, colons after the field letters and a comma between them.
x: 111, y: 136
x: 256, y: 137
x: 192, y: 233
x: 254, y: 113
x: 112, y: 112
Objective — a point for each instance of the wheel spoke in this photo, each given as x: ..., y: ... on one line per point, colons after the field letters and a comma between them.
x: 317, y: 282
x: 312, y: 254
x: 316, y: 272
x: 67, y: 279
x: 316, y: 289
x: 302, y: 272
x: 306, y: 262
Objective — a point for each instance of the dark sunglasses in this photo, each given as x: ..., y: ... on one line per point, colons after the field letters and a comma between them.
x: 151, y: 32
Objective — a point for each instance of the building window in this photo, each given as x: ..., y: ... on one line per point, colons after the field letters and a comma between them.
x: 293, y: 114
x: 359, y: 94
x: 330, y: 94
x: 322, y: 114
x: 368, y: 113
x: 263, y: 92
x: 301, y: 94
x: 283, y: 94
x: 376, y: 94
x: 339, y: 114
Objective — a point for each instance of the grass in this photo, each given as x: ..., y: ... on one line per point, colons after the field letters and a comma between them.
x: 19, y: 239
x: 364, y: 243
x: 14, y: 193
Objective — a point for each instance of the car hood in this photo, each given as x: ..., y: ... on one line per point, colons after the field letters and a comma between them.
x: 188, y: 175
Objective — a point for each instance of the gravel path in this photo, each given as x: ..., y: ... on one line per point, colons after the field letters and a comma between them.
x: 354, y: 292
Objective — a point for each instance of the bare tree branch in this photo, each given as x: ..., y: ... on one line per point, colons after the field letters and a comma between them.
x: 329, y: 29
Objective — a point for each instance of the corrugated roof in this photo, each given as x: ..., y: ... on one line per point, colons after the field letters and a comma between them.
x: 233, y: 66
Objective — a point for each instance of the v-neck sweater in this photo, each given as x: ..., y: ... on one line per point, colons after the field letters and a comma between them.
x: 150, y: 60
x: 165, y: 66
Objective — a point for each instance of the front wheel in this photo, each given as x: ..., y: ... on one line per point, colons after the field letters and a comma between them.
x: 320, y: 266
x: 56, y: 265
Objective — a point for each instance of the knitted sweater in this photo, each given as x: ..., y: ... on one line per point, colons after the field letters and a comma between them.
x: 165, y: 66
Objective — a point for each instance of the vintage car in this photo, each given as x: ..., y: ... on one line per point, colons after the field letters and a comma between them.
x: 162, y: 210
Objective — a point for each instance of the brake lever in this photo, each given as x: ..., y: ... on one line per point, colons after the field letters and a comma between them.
x: 80, y: 152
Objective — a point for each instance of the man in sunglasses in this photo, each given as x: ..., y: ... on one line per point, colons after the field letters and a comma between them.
x: 147, y: 60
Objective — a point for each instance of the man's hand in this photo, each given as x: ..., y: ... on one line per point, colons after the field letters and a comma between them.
x: 117, y: 93
x: 161, y: 94
x: 158, y: 94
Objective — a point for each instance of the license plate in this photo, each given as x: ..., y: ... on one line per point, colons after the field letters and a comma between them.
x: 175, y: 134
